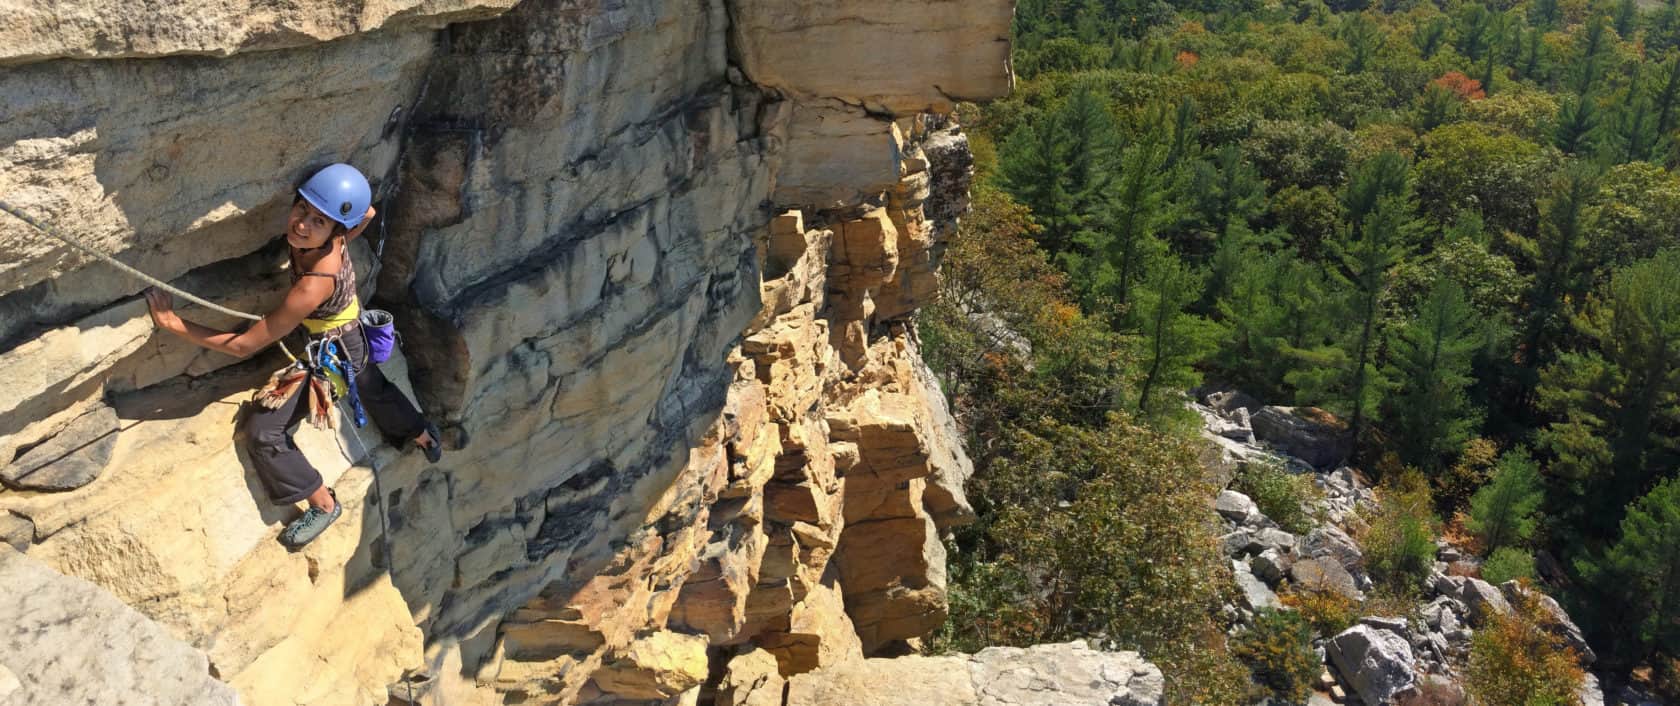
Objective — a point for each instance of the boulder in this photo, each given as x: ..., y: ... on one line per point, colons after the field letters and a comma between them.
x: 1591, y: 693
x: 752, y: 680
x: 1270, y: 566
x: 928, y: 681
x: 1239, y: 543
x: 1333, y: 545
x: 1069, y: 674
x: 1255, y: 593
x: 1235, y: 427
x: 69, y: 641
x: 1229, y: 402
x: 1235, y: 506
x: 659, y: 666
x: 1479, y: 597
x: 1319, y: 576
x: 1307, y: 433
x: 1397, y: 626
x: 1442, y: 614
x: 1273, y: 539
x: 1376, y: 664
x: 16, y: 531
x: 807, y: 47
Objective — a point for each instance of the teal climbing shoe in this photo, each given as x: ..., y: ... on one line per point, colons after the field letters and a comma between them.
x: 311, y: 524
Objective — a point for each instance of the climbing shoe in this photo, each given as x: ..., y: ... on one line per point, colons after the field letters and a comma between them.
x: 434, y: 453
x: 311, y: 524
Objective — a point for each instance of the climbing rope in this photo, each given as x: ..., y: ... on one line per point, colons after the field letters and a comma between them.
x: 379, y: 490
x: 132, y: 272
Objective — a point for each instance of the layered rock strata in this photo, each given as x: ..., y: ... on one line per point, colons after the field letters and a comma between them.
x: 652, y: 269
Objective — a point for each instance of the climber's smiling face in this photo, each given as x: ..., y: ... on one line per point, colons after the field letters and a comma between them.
x: 307, y: 227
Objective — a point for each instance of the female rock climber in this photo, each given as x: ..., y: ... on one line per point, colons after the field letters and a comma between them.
x: 332, y: 208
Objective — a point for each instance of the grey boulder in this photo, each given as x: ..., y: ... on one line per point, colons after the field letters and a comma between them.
x: 1304, y: 433
x: 1377, y: 664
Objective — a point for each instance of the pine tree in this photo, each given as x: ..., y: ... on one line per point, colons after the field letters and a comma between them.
x: 1626, y: 14
x: 1031, y: 170
x: 1430, y: 414
x: 1429, y: 38
x: 1618, y: 402
x: 1173, y: 339
x: 1668, y: 98
x: 1384, y: 175
x: 1381, y: 225
x: 1637, y: 581
x: 1436, y: 106
x: 1577, y: 125
x: 1183, y: 145
x: 1363, y: 38
x: 1633, y: 135
x: 1475, y: 31
x: 1545, y: 14
x: 1092, y: 143
x: 1562, y: 269
x: 1593, y: 47
x: 1503, y: 512
x: 1062, y: 169
x: 1228, y: 193
x: 1365, y: 265
x: 1137, y: 207
x: 1275, y: 306
x: 1664, y: 32
x: 1532, y: 56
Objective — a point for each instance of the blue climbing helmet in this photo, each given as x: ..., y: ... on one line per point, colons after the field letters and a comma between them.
x: 341, y: 192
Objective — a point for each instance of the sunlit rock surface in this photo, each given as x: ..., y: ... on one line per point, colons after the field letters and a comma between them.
x: 652, y: 270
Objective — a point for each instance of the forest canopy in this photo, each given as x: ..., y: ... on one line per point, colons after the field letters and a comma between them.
x: 1455, y: 225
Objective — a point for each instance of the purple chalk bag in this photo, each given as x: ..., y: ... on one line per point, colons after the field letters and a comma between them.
x: 381, y: 334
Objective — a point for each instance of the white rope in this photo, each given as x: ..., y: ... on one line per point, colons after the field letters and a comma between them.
x: 125, y: 268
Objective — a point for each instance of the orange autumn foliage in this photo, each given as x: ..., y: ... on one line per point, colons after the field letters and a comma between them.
x: 1464, y: 87
x: 1187, y: 59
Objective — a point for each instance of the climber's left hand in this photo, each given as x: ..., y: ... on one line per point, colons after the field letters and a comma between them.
x: 162, y: 307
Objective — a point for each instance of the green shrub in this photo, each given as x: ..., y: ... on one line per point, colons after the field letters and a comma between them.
x: 1504, y: 512
x: 1278, y: 650
x: 1279, y: 494
x: 1328, y: 612
x: 1400, y: 541
x: 1517, y: 662
x: 1508, y: 563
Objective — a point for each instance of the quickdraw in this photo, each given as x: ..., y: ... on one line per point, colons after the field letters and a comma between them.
x: 326, y: 375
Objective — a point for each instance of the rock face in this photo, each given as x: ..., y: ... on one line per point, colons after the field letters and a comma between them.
x: 652, y: 264
x: 1044, y: 675
x: 69, y: 641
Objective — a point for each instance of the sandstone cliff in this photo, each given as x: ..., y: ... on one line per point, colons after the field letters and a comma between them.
x: 651, y: 261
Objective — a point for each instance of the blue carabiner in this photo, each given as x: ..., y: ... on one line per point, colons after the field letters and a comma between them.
x: 349, y: 374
